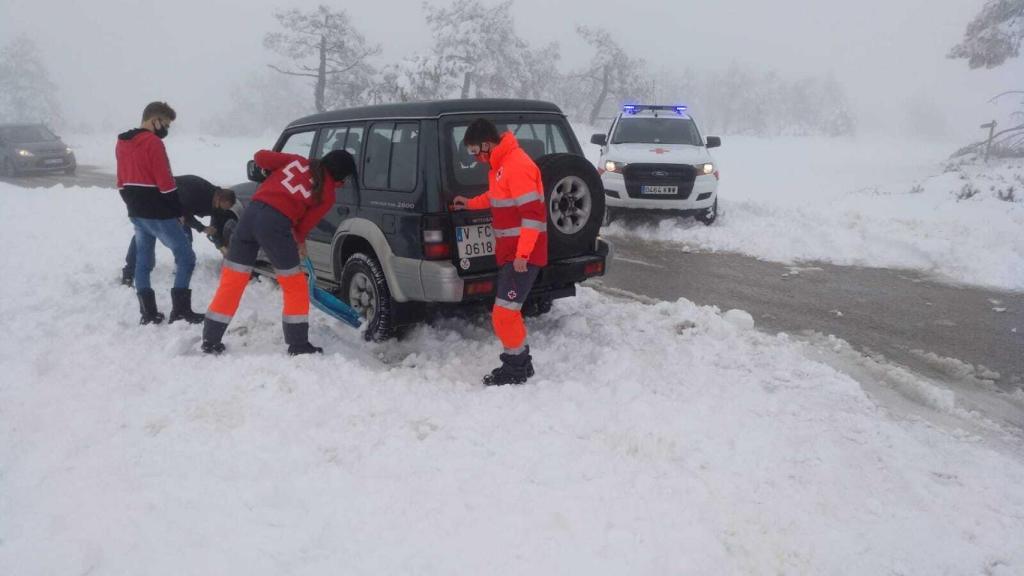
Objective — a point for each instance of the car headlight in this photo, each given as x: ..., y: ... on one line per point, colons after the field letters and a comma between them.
x: 25, y: 153
x: 611, y: 166
x: 68, y: 150
x: 706, y: 169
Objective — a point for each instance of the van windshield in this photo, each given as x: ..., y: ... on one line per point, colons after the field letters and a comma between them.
x: 536, y: 137
x: 656, y: 131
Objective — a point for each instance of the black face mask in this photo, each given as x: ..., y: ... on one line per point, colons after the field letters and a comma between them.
x: 161, y: 133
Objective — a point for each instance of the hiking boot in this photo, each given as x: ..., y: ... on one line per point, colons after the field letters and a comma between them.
x: 127, y: 277
x: 304, y: 348
x: 181, y: 307
x: 147, y: 308
x: 514, y: 369
x: 214, y: 348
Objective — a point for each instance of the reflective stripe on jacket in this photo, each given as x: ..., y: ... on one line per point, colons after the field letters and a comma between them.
x: 515, y: 196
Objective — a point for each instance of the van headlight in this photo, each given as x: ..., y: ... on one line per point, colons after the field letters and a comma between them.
x: 25, y: 153
x: 706, y: 169
x: 611, y: 166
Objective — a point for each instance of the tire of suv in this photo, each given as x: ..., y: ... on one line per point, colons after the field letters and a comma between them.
x: 364, y: 287
x: 574, y: 197
x: 708, y: 216
x: 537, y: 307
x: 7, y: 169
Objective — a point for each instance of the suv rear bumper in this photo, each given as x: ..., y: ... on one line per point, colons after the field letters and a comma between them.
x: 442, y: 283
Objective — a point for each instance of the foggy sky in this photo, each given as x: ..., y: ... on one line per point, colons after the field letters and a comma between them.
x: 110, y: 57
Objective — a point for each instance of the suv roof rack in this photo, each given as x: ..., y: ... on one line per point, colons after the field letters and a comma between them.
x: 431, y: 109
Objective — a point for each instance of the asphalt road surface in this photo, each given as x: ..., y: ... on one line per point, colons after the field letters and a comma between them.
x: 902, y: 315
x: 84, y: 176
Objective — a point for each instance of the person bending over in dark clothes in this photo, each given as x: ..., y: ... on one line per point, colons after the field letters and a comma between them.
x: 197, y: 197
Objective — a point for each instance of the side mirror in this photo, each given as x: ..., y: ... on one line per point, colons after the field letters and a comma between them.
x: 255, y: 173
x: 714, y: 142
x: 599, y: 139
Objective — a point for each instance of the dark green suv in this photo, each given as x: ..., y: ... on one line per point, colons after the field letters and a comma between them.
x: 391, y: 247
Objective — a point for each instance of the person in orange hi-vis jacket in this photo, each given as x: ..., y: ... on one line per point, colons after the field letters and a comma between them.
x: 295, y: 195
x: 515, y: 196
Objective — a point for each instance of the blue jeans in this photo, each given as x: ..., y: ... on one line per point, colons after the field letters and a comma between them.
x: 170, y: 234
x: 129, y: 259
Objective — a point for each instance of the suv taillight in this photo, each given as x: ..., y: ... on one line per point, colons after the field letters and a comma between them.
x: 435, y: 247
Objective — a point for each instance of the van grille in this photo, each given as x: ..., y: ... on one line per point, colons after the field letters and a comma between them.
x: 639, y: 175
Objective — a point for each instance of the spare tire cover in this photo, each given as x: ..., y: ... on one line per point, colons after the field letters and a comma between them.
x: 574, y: 197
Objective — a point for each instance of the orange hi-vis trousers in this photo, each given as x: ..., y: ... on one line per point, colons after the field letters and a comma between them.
x: 261, y: 226
x: 507, y: 316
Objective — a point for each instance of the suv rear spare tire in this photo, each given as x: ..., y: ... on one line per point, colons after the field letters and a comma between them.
x: 575, y: 203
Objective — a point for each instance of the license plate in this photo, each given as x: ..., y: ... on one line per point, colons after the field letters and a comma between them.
x: 475, y: 241
x: 53, y: 161
x: 660, y: 190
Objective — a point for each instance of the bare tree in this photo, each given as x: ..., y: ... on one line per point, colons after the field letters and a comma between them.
x: 323, y: 45
x: 420, y: 77
x: 465, y: 34
x: 26, y: 92
x: 477, y: 48
x: 612, y: 72
x: 994, y: 36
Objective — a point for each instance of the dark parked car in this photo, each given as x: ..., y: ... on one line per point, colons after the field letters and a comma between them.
x: 26, y: 148
x: 392, y: 248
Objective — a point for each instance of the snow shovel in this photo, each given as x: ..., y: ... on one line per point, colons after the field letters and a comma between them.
x: 329, y: 303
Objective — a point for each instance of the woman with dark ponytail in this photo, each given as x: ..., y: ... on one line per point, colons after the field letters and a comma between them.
x: 295, y: 196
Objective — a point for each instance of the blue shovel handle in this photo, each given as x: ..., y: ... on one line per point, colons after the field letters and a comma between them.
x: 329, y: 303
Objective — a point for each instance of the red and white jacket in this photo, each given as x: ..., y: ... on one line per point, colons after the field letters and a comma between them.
x: 516, y: 199
x: 289, y: 189
x: 144, y: 176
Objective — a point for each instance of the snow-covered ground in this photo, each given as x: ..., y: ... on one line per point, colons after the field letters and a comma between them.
x: 657, y: 438
x: 869, y: 201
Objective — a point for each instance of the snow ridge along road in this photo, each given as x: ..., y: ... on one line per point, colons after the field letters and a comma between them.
x: 658, y: 438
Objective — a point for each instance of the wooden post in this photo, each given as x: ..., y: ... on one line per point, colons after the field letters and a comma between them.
x: 988, y: 143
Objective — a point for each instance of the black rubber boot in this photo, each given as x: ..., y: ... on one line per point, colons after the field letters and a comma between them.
x: 514, y: 369
x: 147, y: 307
x: 214, y: 348
x: 127, y: 276
x: 304, y: 348
x: 181, y: 307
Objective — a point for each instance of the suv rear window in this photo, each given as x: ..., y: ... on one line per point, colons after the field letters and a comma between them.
x: 536, y: 138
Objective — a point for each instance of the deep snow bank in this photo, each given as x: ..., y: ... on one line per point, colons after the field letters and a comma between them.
x: 656, y: 439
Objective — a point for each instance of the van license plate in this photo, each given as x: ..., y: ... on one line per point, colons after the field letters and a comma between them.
x: 475, y: 241
x: 660, y: 190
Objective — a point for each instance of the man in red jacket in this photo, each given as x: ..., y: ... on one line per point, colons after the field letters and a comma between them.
x: 515, y: 196
x: 148, y: 189
x: 287, y: 205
